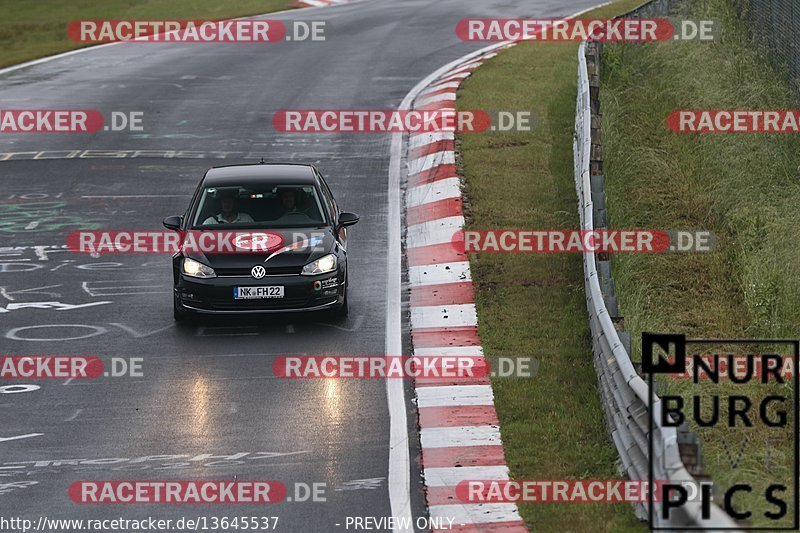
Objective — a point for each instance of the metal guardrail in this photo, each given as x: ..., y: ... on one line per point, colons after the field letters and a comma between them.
x: 624, y: 393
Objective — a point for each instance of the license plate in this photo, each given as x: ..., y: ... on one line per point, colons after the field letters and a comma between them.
x: 254, y: 293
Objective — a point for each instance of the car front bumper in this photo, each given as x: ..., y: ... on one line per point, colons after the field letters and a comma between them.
x: 215, y: 295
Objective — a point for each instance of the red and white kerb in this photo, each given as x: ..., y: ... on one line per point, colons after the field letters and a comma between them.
x: 459, y: 429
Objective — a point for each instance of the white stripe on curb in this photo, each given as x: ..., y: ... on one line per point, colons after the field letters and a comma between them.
x: 446, y: 85
x: 437, y: 231
x: 443, y: 97
x: 452, y: 476
x: 464, y: 351
x: 424, y: 139
x: 460, y: 436
x: 459, y: 76
x: 477, y: 513
x: 431, y: 160
x: 448, y: 396
x: 432, y: 192
x: 438, y: 274
x: 445, y: 316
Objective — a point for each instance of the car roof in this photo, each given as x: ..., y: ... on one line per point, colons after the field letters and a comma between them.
x: 260, y: 173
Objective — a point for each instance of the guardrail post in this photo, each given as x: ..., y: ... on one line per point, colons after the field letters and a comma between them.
x: 689, y: 449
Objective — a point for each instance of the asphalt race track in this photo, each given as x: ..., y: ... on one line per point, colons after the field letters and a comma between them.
x: 206, y: 405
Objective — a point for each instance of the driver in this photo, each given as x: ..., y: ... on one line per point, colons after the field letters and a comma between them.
x: 288, y: 199
x: 230, y: 214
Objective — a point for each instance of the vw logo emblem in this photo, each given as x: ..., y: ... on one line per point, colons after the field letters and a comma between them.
x: 258, y: 271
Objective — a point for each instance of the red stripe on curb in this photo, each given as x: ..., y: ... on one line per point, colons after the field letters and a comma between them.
x: 447, y: 496
x: 461, y: 415
x: 432, y: 174
x: 439, y: 382
x: 437, y: 106
x: 447, y: 145
x: 449, y: 207
x: 463, y: 456
x: 434, y: 254
x: 442, y: 496
x: 443, y: 337
x: 444, y: 294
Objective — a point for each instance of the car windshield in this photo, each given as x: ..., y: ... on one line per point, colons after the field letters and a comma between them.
x: 275, y: 206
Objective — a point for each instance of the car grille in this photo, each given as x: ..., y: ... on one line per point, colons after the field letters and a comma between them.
x: 245, y: 272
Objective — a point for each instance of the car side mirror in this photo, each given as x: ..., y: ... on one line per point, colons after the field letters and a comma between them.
x: 348, y: 219
x: 173, y: 222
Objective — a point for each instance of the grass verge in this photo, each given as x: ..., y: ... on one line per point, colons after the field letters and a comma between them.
x: 742, y: 187
x: 29, y: 30
x: 552, y: 425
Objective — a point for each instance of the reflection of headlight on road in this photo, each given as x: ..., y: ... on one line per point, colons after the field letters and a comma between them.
x: 323, y: 265
x: 333, y: 405
x: 196, y: 269
x: 200, y: 402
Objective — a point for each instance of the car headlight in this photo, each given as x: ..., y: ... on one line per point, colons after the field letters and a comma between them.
x: 196, y: 269
x: 323, y: 265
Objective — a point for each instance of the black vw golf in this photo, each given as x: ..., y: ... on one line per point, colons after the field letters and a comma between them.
x: 261, y: 238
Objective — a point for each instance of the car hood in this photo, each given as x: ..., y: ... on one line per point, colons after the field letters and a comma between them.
x: 296, y: 248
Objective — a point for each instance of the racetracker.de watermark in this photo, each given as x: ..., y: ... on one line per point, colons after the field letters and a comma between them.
x: 177, y: 492
x: 560, y: 491
x: 68, y: 367
x: 68, y: 121
x: 195, y: 31
x: 192, y: 241
x: 445, y: 367
x: 734, y: 121
x: 440, y: 119
x: 582, y: 241
x: 380, y: 121
x: 611, y: 30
